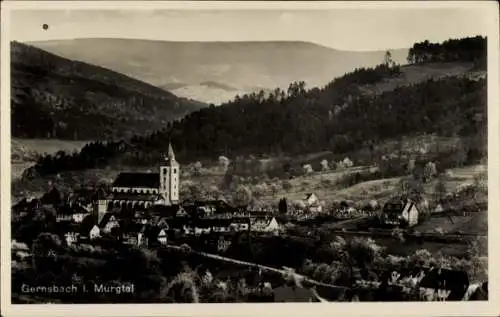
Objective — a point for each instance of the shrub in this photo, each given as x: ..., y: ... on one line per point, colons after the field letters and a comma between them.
x: 307, y: 168
x: 324, y: 165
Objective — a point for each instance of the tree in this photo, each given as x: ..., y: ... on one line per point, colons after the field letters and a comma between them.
x: 242, y: 196
x: 224, y: 163
x: 411, y: 166
x: 460, y: 154
x: 307, y: 169
x: 429, y: 171
x: 324, y: 165
x: 197, y: 167
x: 45, y: 248
x: 282, y: 206
x: 388, y: 58
x: 440, y: 189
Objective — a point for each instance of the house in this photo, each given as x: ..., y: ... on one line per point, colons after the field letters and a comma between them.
x: 64, y: 214
x: 223, y: 244
x: 94, y: 233
x: 79, y: 213
x: 71, y: 237
x: 315, y: 207
x: 400, y: 212
x: 67, y: 231
x: 19, y: 246
x: 26, y: 206
x: 162, y: 237
x: 265, y: 225
x: 162, y: 223
x: 108, y: 222
x: 439, y: 208
x: 131, y: 232
x: 221, y: 227
x: 311, y: 199
x: 163, y: 211
x: 312, y: 203
x: 447, y: 284
x: 239, y: 224
x: 182, y: 212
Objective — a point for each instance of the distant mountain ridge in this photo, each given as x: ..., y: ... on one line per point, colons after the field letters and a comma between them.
x: 240, y: 65
x: 55, y: 97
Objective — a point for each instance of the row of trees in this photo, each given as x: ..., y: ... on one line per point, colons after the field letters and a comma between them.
x: 470, y: 49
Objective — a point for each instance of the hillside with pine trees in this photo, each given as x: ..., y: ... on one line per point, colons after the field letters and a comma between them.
x: 341, y: 117
x: 57, y: 98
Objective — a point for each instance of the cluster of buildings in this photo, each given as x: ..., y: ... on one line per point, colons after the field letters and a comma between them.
x: 144, y: 209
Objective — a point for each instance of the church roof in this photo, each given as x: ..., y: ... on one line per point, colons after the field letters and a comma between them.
x: 139, y: 180
x: 134, y: 196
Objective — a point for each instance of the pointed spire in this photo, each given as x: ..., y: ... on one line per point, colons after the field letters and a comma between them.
x: 170, y: 153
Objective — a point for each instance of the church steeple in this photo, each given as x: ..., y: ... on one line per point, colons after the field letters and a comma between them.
x: 169, y: 177
x: 170, y: 152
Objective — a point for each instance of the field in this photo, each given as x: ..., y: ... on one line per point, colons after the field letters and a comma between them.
x: 412, y: 74
x: 381, y: 189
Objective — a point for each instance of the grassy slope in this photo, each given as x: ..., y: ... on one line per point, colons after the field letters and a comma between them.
x: 413, y: 74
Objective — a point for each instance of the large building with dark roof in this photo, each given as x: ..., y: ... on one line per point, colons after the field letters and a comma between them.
x: 142, y: 190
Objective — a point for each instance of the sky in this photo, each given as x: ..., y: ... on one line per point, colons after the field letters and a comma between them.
x: 347, y: 28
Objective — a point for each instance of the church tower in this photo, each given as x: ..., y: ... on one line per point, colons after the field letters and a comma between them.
x: 169, y: 178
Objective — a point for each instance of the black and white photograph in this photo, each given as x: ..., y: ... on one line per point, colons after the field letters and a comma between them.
x: 218, y: 154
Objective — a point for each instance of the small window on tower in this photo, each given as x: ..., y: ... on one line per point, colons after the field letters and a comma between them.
x: 175, y: 171
x: 164, y: 171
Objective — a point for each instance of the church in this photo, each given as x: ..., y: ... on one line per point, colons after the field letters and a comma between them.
x: 139, y: 191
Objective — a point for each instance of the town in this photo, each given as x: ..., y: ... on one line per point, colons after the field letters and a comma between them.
x: 236, y: 170
x: 145, y: 210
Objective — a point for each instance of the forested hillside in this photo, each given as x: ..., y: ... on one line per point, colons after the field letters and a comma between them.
x: 338, y: 117
x: 54, y: 97
x: 472, y: 49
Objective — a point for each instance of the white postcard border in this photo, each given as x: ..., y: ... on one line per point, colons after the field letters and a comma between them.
x: 490, y: 308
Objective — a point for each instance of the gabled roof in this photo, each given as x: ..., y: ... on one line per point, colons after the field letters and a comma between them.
x: 261, y: 221
x: 163, y: 211
x: 205, y: 223
x: 309, y: 195
x: 132, y: 227
x: 152, y: 232
x: 86, y: 226
x: 241, y: 220
x: 139, y: 180
x: 105, y: 219
x: 64, y: 227
x: 134, y: 196
x: 397, y: 205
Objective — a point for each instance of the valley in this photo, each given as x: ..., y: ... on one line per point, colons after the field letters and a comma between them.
x: 356, y: 173
x: 245, y: 66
